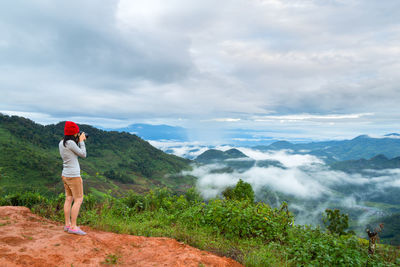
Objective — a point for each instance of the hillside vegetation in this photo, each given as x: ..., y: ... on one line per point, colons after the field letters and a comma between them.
x: 214, y: 155
x: 30, y: 159
x: 379, y: 162
x: 250, y: 232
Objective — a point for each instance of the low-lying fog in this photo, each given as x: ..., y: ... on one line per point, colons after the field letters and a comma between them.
x: 304, y: 181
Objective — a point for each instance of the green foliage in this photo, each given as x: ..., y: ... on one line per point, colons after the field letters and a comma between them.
x: 310, y: 247
x: 242, y: 191
x: 27, y: 199
x: 193, y: 196
x: 160, y: 198
x: 243, y: 219
x: 115, y: 175
x: 112, y: 259
x: 335, y: 222
x: 228, y: 193
x: 214, y: 155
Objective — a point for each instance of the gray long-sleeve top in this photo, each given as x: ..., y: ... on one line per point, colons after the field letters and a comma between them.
x: 70, y: 154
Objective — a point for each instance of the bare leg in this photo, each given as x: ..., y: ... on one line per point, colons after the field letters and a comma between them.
x: 67, y: 210
x: 75, y: 211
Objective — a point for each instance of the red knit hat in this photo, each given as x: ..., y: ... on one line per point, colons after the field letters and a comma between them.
x: 71, y: 128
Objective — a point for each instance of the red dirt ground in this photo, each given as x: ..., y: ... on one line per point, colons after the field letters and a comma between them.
x: 27, y: 239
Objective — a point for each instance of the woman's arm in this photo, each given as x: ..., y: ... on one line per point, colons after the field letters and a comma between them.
x: 80, y: 151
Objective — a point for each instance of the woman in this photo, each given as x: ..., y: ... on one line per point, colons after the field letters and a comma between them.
x: 71, y: 147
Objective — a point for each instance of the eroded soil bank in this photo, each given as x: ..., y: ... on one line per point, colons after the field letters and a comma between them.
x: 27, y: 239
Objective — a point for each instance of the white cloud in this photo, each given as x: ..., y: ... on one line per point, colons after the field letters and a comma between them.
x: 255, y: 63
x: 287, y: 159
x: 32, y: 115
x: 188, y: 150
x: 290, y: 181
x: 293, y: 180
x: 302, y: 117
x: 225, y: 120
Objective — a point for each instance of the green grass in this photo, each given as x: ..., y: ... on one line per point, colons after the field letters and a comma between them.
x: 28, y: 237
x: 112, y: 259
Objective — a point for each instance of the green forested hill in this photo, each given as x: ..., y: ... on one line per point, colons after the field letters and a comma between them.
x: 379, y: 162
x: 213, y: 155
x: 30, y: 160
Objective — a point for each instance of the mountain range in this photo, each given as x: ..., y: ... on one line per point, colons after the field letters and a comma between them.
x: 360, y: 147
x: 379, y: 162
x: 352, y: 156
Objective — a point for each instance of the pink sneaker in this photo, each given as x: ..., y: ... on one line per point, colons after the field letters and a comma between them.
x: 66, y: 228
x: 77, y: 231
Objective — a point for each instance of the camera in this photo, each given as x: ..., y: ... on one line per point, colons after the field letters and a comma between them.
x: 86, y: 134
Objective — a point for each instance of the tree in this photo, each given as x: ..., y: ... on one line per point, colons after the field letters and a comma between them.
x: 242, y: 191
x: 193, y: 196
x: 335, y: 222
x: 373, y: 238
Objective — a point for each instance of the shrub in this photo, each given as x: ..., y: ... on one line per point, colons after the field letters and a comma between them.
x: 134, y: 201
x: 242, y: 191
x: 193, y: 196
x: 309, y: 246
x: 160, y: 198
x: 27, y: 199
x: 235, y: 218
x: 335, y: 222
x: 90, y: 201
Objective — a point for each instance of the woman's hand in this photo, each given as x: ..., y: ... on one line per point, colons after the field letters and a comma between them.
x: 82, y: 137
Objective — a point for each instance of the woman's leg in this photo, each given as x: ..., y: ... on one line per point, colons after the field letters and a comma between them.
x: 67, y: 210
x: 77, y: 193
x: 68, y: 201
x: 75, y: 211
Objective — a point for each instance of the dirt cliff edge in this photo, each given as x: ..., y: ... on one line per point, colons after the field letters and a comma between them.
x: 27, y: 239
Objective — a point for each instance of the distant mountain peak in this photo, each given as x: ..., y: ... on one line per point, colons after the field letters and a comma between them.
x: 215, y: 155
x: 392, y: 134
x: 235, y: 153
x: 363, y: 136
x: 282, y: 142
x: 281, y: 145
x: 379, y: 157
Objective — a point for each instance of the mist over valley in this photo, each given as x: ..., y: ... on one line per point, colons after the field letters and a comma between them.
x: 310, y: 177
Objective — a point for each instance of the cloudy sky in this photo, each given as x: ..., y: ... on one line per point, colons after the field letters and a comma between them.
x: 311, y: 68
